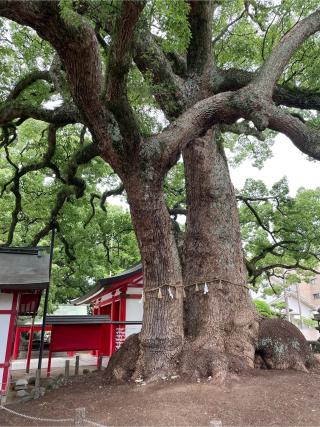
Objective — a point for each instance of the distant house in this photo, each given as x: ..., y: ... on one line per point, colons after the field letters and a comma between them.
x: 300, y: 302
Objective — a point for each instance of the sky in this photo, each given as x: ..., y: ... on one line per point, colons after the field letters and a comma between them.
x: 287, y: 161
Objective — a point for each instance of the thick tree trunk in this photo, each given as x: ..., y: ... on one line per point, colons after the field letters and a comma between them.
x: 220, y: 325
x: 161, y: 338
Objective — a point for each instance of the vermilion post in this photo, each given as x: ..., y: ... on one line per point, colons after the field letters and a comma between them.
x: 112, y: 328
x: 30, y: 345
x: 16, y: 345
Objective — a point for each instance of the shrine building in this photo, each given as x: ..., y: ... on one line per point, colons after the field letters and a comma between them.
x: 118, y: 297
x: 24, y: 274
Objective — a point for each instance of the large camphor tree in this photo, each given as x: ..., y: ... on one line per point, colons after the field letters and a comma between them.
x: 210, y: 67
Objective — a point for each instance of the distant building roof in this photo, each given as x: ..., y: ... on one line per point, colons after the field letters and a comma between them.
x: 67, y: 319
x: 24, y: 268
x: 294, y: 295
x: 76, y: 320
x: 62, y: 310
x: 70, y: 310
x: 110, y: 283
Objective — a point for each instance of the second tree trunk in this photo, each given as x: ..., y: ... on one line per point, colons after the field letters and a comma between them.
x: 220, y: 325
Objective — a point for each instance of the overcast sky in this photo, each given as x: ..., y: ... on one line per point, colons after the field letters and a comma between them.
x: 287, y: 160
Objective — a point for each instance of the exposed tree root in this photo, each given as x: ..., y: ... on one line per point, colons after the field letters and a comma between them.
x: 195, y: 361
x: 203, y: 363
x: 122, y: 363
x: 281, y: 345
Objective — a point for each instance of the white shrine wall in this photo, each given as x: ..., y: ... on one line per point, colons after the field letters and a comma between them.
x: 6, y: 307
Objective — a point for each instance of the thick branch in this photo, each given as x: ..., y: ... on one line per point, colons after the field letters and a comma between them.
x: 273, y: 67
x: 60, y: 116
x: 234, y: 79
x: 78, y: 48
x: 119, y: 65
x: 200, y: 20
x: 305, y: 137
x: 168, y: 88
x: 193, y: 123
x: 178, y: 63
x: 178, y: 210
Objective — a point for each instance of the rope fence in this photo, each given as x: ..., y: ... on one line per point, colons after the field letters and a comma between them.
x: 78, y: 420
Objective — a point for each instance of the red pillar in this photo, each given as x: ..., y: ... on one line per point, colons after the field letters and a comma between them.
x: 50, y: 351
x: 30, y: 346
x: 123, y: 300
x: 112, y: 329
x: 95, y: 312
x: 16, y: 345
x: 49, y: 363
x: 122, y: 313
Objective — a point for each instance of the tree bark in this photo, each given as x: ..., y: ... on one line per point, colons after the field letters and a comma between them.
x: 220, y: 326
x: 161, y: 338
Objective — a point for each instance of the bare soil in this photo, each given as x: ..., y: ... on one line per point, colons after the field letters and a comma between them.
x: 256, y: 398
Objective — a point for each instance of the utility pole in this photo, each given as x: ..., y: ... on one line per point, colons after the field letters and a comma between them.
x: 45, y: 307
x: 287, y: 305
x: 286, y: 299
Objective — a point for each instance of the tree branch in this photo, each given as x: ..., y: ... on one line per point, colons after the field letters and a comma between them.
x: 199, y: 51
x: 305, y: 137
x: 168, y: 88
x: 258, y: 219
x: 60, y: 116
x: 73, y: 41
x: 177, y: 210
x: 271, y: 70
x: 193, y: 123
x: 114, y: 192
x: 294, y: 266
x: 20, y: 172
x: 226, y: 29
x: 270, y: 250
x: 27, y: 81
x: 242, y: 128
x: 82, y: 156
x: 91, y: 201
x: 118, y: 68
x: 66, y: 245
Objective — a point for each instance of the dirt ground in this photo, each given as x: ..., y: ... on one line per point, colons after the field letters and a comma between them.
x: 258, y: 398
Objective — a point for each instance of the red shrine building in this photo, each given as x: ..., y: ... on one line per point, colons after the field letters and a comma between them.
x: 120, y: 298
x: 116, y: 304
x: 24, y: 274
